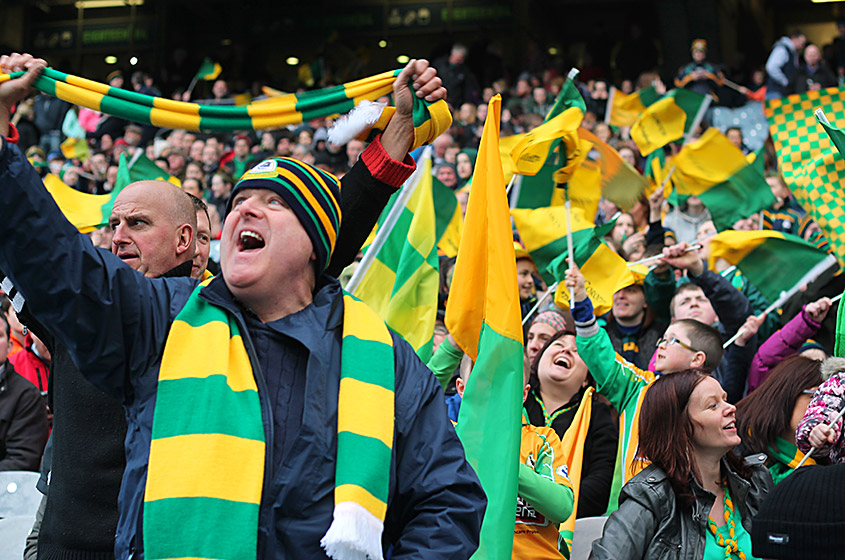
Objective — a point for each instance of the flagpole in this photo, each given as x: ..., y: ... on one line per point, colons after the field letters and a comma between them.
x: 540, y: 301
x: 191, y: 87
x: 814, y: 272
x: 387, y: 226
x: 510, y: 184
x: 609, y: 105
x: 516, y: 186
x: 568, y: 206
x: 655, y: 258
x: 699, y: 116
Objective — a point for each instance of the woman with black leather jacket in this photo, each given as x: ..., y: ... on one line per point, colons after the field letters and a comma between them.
x: 697, y: 497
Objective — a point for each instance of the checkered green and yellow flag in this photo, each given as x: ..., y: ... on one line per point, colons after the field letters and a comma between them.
x: 810, y: 165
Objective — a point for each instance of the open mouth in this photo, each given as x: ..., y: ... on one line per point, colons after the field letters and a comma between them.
x: 563, y: 362
x: 250, y: 241
x: 731, y: 426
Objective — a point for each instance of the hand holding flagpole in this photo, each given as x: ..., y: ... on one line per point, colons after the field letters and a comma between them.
x: 813, y: 449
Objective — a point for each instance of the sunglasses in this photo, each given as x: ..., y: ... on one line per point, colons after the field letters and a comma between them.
x: 673, y: 340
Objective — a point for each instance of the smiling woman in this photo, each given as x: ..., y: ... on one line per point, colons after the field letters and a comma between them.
x: 559, y: 380
x: 697, y: 496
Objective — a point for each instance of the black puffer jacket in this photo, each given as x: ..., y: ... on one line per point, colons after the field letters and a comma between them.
x: 650, y: 523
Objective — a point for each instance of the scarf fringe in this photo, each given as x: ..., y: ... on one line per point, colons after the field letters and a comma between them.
x: 355, y: 534
x: 360, y: 119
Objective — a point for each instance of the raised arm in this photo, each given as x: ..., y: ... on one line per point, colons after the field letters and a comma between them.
x: 786, y: 341
x: 617, y: 379
x: 384, y: 165
x: 92, y: 302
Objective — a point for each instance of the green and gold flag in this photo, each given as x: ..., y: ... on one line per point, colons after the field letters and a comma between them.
x: 620, y: 183
x: 141, y: 168
x: 402, y: 277
x: 484, y: 317
x: 773, y: 261
x: 624, y: 110
x: 208, y: 70
x: 562, y: 154
x: 669, y: 119
x: 86, y: 212
x: 812, y: 169
x: 713, y: 169
x: 605, y: 272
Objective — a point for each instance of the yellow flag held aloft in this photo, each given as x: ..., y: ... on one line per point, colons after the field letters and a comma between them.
x: 667, y: 120
x: 543, y: 232
x: 529, y: 153
x: 484, y: 317
x: 620, y: 182
x: 713, y: 169
x: 604, y: 271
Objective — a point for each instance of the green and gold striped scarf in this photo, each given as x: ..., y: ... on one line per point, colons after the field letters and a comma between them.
x: 206, y: 465
x: 783, y: 458
x: 430, y: 119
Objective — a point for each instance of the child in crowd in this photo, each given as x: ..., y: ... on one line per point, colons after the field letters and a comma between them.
x: 817, y: 428
x: 686, y: 344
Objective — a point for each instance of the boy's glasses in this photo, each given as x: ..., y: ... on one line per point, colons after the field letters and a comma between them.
x: 673, y: 340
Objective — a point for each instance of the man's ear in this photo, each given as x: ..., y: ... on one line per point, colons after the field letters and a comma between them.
x: 698, y: 360
x: 460, y: 386
x: 185, y: 239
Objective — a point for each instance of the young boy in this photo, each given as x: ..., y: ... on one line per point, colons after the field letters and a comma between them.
x: 686, y: 344
x: 545, y: 497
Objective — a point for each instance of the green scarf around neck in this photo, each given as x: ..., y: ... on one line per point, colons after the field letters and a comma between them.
x: 207, y: 455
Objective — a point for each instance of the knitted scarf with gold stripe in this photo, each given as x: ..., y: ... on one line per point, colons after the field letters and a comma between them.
x: 206, y: 466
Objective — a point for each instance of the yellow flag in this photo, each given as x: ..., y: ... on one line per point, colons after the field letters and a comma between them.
x: 663, y: 122
x: 530, y: 151
x: 85, y: 211
x: 572, y: 444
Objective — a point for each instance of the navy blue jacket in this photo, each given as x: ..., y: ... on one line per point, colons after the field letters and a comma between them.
x: 114, y: 322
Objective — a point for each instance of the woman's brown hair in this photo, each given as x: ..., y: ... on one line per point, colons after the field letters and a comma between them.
x: 765, y: 414
x: 666, y: 432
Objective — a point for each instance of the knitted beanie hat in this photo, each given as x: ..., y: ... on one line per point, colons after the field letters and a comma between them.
x: 312, y: 194
x: 555, y: 320
x: 803, y: 516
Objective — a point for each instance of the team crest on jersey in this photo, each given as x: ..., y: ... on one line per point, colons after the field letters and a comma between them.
x: 563, y: 471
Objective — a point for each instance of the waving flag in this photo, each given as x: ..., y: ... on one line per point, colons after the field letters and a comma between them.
x: 543, y: 232
x: 483, y: 315
x: 713, y: 169
x: 86, y: 212
x: 812, y: 169
x: 624, y: 110
x: 402, y: 279
x: 604, y: 271
x: 208, y: 70
x: 540, y: 172
x: 773, y: 261
x: 620, y: 183
x: 669, y: 119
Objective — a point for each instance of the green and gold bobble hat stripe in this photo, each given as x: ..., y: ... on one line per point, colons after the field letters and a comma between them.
x: 312, y: 194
